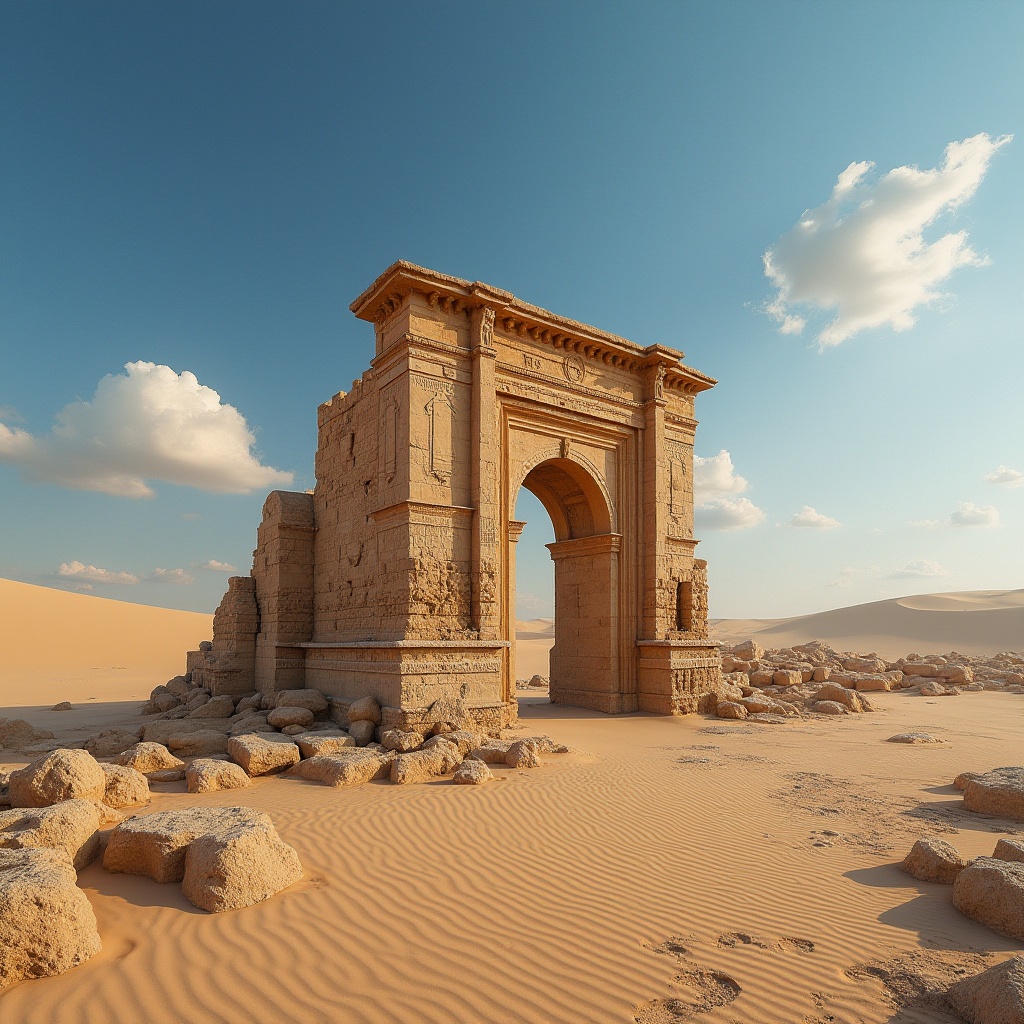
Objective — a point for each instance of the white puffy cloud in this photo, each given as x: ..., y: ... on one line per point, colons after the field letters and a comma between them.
x: 171, y: 576
x: 715, y: 477
x: 93, y: 574
x: 863, y: 253
x: 811, y: 519
x: 919, y: 569
x: 728, y: 514
x: 214, y: 566
x: 149, y: 423
x: 1003, y: 476
x: 969, y: 514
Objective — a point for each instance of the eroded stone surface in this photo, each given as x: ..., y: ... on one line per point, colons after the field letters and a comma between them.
x: 995, y: 996
x: 999, y: 792
x: 206, y: 775
x: 70, y: 826
x: 991, y: 891
x: 934, y: 860
x: 125, y: 787
x: 260, y: 756
x: 149, y: 757
x: 60, y: 775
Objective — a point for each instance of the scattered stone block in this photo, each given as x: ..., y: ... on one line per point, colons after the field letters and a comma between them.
x: 933, y: 860
x: 311, y: 744
x: 155, y: 844
x: 215, y: 707
x: 167, y: 775
x: 64, y: 705
x: 312, y: 700
x: 260, y: 756
x: 70, y: 826
x: 999, y: 792
x: 47, y: 925
x: 991, y: 892
x: 850, y: 699
x: 362, y: 731
x: 523, y: 753
x: 16, y: 732
x: 1009, y: 849
x: 491, y: 752
x: 995, y: 996
x: 60, y: 775
x: 365, y: 709
x: 208, y: 775
x: 162, y: 731
x: 284, y: 716
x: 730, y: 709
x: 472, y: 773
x: 238, y: 866
x: 914, y: 738
x: 125, y: 786
x: 351, y: 767
x: 401, y: 742
x: 786, y: 677
x: 960, y: 782
x: 419, y: 766
x: 199, y: 744
x: 829, y: 707
x: 149, y: 757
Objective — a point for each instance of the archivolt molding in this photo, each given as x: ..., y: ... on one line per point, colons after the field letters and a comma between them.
x: 564, y: 450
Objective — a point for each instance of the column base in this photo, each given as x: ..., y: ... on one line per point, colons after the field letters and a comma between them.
x: 678, y: 677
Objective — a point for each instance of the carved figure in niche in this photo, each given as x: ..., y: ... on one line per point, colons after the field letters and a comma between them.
x: 487, y: 327
x: 659, y: 383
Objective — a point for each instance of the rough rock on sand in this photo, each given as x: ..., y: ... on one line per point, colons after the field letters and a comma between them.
x: 418, y: 766
x: 914, y: 737
x: 1009, y: 849
x: 60, y: 775
x: 311, y: 744
x: 283, y: 716
x: 216, y: 707
x: 70, y: 826
x: 933, y: 860
x: 125, y: 786
x: 47, y: 925
x: 365, y: 709
x: 850, y: 699
x: 260, y: 756
x: 16, y: 732
x: 829, y: 707
x: 960, y: 782
x: 155, y: 844
x: 730, y: 709
x: 351, y: 767
x: 991, y: 892
x: 523, y: 753
x: 491, y: 752
x: 161, y: 732
x: 206, y: 775
x: 995, y: 996
x: 149, y: 757
x: 64, y: 705
x: 472, y: 773
x: 112, y: 742
x: 999, y: 792
x: 238, y: 866
x: 199, y: 744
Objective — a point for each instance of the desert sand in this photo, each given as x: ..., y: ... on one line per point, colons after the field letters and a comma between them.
x: 668, y: 869
x: 974, y: 622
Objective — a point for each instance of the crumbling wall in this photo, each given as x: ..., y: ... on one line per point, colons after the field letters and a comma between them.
x: 228, y: 665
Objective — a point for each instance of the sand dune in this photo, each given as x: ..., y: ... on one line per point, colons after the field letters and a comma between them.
x: 974, y: 622
x: 54, y: 644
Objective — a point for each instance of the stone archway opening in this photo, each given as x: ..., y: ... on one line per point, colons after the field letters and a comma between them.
x: 584, y: 661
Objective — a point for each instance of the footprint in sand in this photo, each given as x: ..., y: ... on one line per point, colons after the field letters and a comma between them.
x: 707, y: 989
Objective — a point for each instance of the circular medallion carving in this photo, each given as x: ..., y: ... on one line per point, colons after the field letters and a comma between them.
x: 574, y: 369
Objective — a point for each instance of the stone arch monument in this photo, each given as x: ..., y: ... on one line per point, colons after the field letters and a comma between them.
x: 396, y: 576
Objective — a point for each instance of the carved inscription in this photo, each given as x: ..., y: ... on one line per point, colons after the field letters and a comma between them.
x: 390, y: 440
x: 574, y: 368
x: 677, y: 485
x: 441, y: 414
x: 533, y: 362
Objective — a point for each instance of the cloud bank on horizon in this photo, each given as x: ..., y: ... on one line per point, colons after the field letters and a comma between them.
x: 149, y: 423
x: 863, y: 254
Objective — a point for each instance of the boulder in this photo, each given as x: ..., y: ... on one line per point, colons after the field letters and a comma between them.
x: 294, y: 730
x: 199, y: 744
x: 450, y: 756
x: 960, y: 782
x: 523, y: 753
x: 64, y: 705
x: 829, y: 707
x: 251, y: 723
x: 112, y: 742
x: 999, y: 792
x: 260, y: 756
x: 125, y: 786
x: 312, y: 700
x: 149, y: 757
x: 748, y: 651
x: 850, y: 699
x: 914, y: 737
x: 215, y: 707
x: 179, y: 686
x: 155, y: 844
x: 472, y: 773
x: 919, y: 668
x: 362, y: 731
x: 447, y: 714
x: 60, y: 775
x: 933, y: 689
x: 872, y: 683
x: 762, y: 704
x: 167, y: 775
x: 991, y: 892
x: 761, y: 677
x: 47, y: 925
x: 238, y: 866
x: 350, y: 767
x: 730, y: 709
x: 491, y: 752
x: 250, y: 703
x: 465, y: 740
x: 208, y: 775
x: 995, y: 996
x: 1009, y: 849
x: 401, y: 742
x: 162, y: 731
x: 70, y: 826
x: 160, y: 704
x: 787, y: 677
x: 365, y: 709
x: 196, y: 700
x: 311, y: 744
x: 284, y: 715
x: 933, y: 860
x: 418, y: 766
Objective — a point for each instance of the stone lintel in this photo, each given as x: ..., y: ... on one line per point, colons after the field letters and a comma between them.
x: 345, y: 645
x: 601, y: 544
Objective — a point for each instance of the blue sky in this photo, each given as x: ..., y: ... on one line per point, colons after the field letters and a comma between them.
x: 206, y: 186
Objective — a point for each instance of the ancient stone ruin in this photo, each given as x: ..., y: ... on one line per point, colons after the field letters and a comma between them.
x: 395, y: 577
